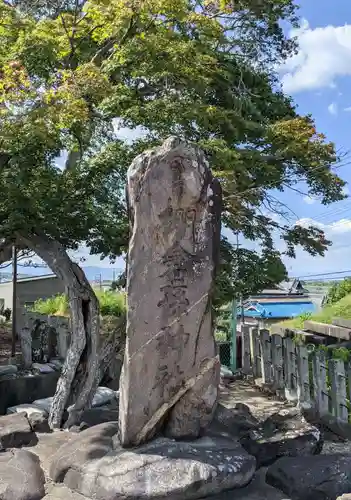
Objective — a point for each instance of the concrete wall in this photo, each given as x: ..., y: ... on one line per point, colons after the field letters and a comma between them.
x: 30, y: 290
x: 22, y: 390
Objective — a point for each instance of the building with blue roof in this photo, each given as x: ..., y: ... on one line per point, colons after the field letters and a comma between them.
x: 277, y: 310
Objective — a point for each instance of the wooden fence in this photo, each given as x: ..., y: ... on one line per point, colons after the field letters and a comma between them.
x: 312, y: 379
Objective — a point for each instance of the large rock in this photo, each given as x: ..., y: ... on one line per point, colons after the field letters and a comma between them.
x: 21, y: 477
x: 160, y: 470
x: 61, y: 492
x: 323, y: 477
x: 103, y: 396
x: 15, y: 431
x: 257, y: 489
x: 96, y: 416
x: 237, y: 420
x: 283, y: 434
x: 170, y: 371
x: 28, y: 409
x: 8, y: 370
x: 90, y: 444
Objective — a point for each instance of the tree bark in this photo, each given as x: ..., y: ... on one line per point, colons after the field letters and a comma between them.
x: 80, y: 374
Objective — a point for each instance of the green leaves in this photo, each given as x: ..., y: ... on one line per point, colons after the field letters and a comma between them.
x: 195, y: 68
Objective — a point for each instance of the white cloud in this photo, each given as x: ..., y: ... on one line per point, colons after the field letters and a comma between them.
x: 333, y: 108
x: 346, y: 190
x: 306, y: 222
x: 347, y: 109
x: 340, y: 226
x: 324, y: 54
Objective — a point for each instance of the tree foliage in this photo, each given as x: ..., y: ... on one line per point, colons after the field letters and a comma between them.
x: 338, y: 291
x: 71, y: 67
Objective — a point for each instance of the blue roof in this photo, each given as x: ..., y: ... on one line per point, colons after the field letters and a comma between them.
x: 279, y: 309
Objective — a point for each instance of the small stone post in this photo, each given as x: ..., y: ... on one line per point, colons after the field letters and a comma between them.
x: 319, y: 371
x: 290, y: 376
x: 338, y: 389
x: 246, y: 354
x: 25, y: 336
x: 255, y: 351
x: 303, y: 377
x: 61, y: 327
x: 277, y: 362
x: 266, y: 356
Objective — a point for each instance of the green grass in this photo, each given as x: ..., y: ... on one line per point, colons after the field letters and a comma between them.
x: 111, y: 304
x: 341, y: 309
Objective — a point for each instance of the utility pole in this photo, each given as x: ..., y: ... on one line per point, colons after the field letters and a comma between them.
x: 14, y: 300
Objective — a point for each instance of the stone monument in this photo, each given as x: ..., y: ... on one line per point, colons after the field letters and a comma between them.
x: 170, y: 374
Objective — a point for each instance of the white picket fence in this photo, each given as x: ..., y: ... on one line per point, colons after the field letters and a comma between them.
x: 289, y: 370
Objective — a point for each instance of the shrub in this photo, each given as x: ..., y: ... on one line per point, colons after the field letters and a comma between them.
x: 54, y: 306
x: 111, y: 304
x: 338, y: 291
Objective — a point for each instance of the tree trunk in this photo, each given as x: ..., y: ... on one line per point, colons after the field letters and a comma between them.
x: 80, y: 374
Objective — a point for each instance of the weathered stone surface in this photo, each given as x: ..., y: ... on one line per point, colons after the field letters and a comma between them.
x: 8, y: 370
x: 26, y: 346
x: 21, y: 477
x: 103, y: 396
x: 170, y: 365
x: 257, y: 489
x: 60, y: 335
x: 56, y: 364
x: 163, y: 469
x: 90, y: 444
x: 323, y: 477
x: 42, y: 368
x: 61, y: 492
x: 283, y: 434
x: 48, y: 445
x: 238, y: 420
x: 44, y: 404
x: 97, y: 416
x: 28, y: 409
x: 15, y: 431
x: 38, y: 422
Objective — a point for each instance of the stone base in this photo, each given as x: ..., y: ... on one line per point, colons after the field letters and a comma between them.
x: 99, y: 468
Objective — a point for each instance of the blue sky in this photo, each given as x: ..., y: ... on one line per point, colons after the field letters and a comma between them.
x: 319, y: 79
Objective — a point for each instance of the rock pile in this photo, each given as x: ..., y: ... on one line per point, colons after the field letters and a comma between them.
x: 89, y: 461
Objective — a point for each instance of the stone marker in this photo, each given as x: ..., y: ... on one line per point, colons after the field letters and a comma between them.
x: 26, y: 346
x: 170, y: 367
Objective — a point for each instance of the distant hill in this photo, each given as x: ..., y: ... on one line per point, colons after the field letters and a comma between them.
x: 92, y: 272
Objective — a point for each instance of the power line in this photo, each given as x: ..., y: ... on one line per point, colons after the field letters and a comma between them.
x: 328, y: 279
x: 322, y: 274
x: 331, y: 213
